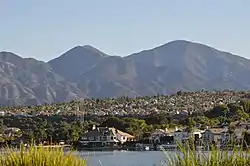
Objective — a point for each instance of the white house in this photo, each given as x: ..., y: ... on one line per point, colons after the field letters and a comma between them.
x: 105, y: 136
x: 121, y: 136
x: 101, y: 136
x: 197, y: 133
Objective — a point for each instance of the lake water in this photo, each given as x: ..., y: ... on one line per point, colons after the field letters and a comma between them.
x: 126, y: 158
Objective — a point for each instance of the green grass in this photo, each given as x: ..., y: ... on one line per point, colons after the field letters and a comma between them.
x: 34, y: 156
x: 215, y: 157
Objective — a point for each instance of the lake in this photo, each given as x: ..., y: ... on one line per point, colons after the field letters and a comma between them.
x: 126, y: 158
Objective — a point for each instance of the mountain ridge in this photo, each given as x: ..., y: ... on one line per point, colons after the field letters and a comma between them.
x: 85, y: 71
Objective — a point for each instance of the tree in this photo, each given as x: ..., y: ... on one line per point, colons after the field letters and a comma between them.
x: 246, y: 105
x: 136, y: 126
x: 221, y: 110
x: 115, y: 122
x: 242, y: 115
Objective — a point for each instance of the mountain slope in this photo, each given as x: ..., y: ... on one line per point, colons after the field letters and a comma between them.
x: 191, y: 66
x: 75, y: 61
x: 178, y: 65
x: 111, y: 77
x: 87, y: 72
x: 28, y: 81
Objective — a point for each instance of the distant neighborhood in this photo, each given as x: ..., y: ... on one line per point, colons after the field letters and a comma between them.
x: 219, y: 118
x: 181, y: 103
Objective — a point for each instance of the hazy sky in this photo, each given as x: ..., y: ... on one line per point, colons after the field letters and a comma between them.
x: 46, y: 28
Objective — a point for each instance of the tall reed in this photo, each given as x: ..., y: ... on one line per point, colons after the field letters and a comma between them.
x: 215, y: 157
x: 39, y: 156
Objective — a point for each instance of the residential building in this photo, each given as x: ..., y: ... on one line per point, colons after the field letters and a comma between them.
x: 240, y: 128
x: 213, y: 135
x: 180, y: 136
x: 197, y: 133
x: 121, y: 136
x: 98, y: 137
x: 104, y: 136
x: 155, y: 137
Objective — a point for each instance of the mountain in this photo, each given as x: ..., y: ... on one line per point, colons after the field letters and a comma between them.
x: 28, y: 81
x: 85, y: 71
x: 177, y: 65
x: 183, y: 65
x: 75, y: 61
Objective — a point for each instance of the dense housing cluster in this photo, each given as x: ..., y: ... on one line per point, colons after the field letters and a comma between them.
x: 181, y: 102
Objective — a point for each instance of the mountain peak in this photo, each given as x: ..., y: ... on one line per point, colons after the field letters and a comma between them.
x: 89, y: 47
x: 9, y: 56
x: 181, y: 42
x: 7, y: 53
x: 84, y: 50
x: 81, y: 58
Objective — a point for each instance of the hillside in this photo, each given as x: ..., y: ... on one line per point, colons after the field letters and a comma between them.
x: 28, y: 81
x: 85, y: 71
x: 177, y: 65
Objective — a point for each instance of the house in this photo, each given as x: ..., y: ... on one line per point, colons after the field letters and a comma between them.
x: 98, y: 137
x: 214, y: 135
x: 197, y: 133
x: 104, y: 136
x: 156, y: 136
x: 240, y: 128
x: 121, y: 136
x: 180, y: 136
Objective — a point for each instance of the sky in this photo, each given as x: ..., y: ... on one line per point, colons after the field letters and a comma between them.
x: 44, y: 29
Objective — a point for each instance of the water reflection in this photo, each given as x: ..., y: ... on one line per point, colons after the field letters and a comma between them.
x: 126, y: 158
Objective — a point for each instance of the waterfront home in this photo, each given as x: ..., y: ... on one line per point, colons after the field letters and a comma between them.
x: 213, y: 135
x: 197, y: 133
x: 104, y: 136
x: 155, y: 137
x: 122, y: 137
x: 180, y: 136
x: 240, y: 128
x: 99, y: 137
